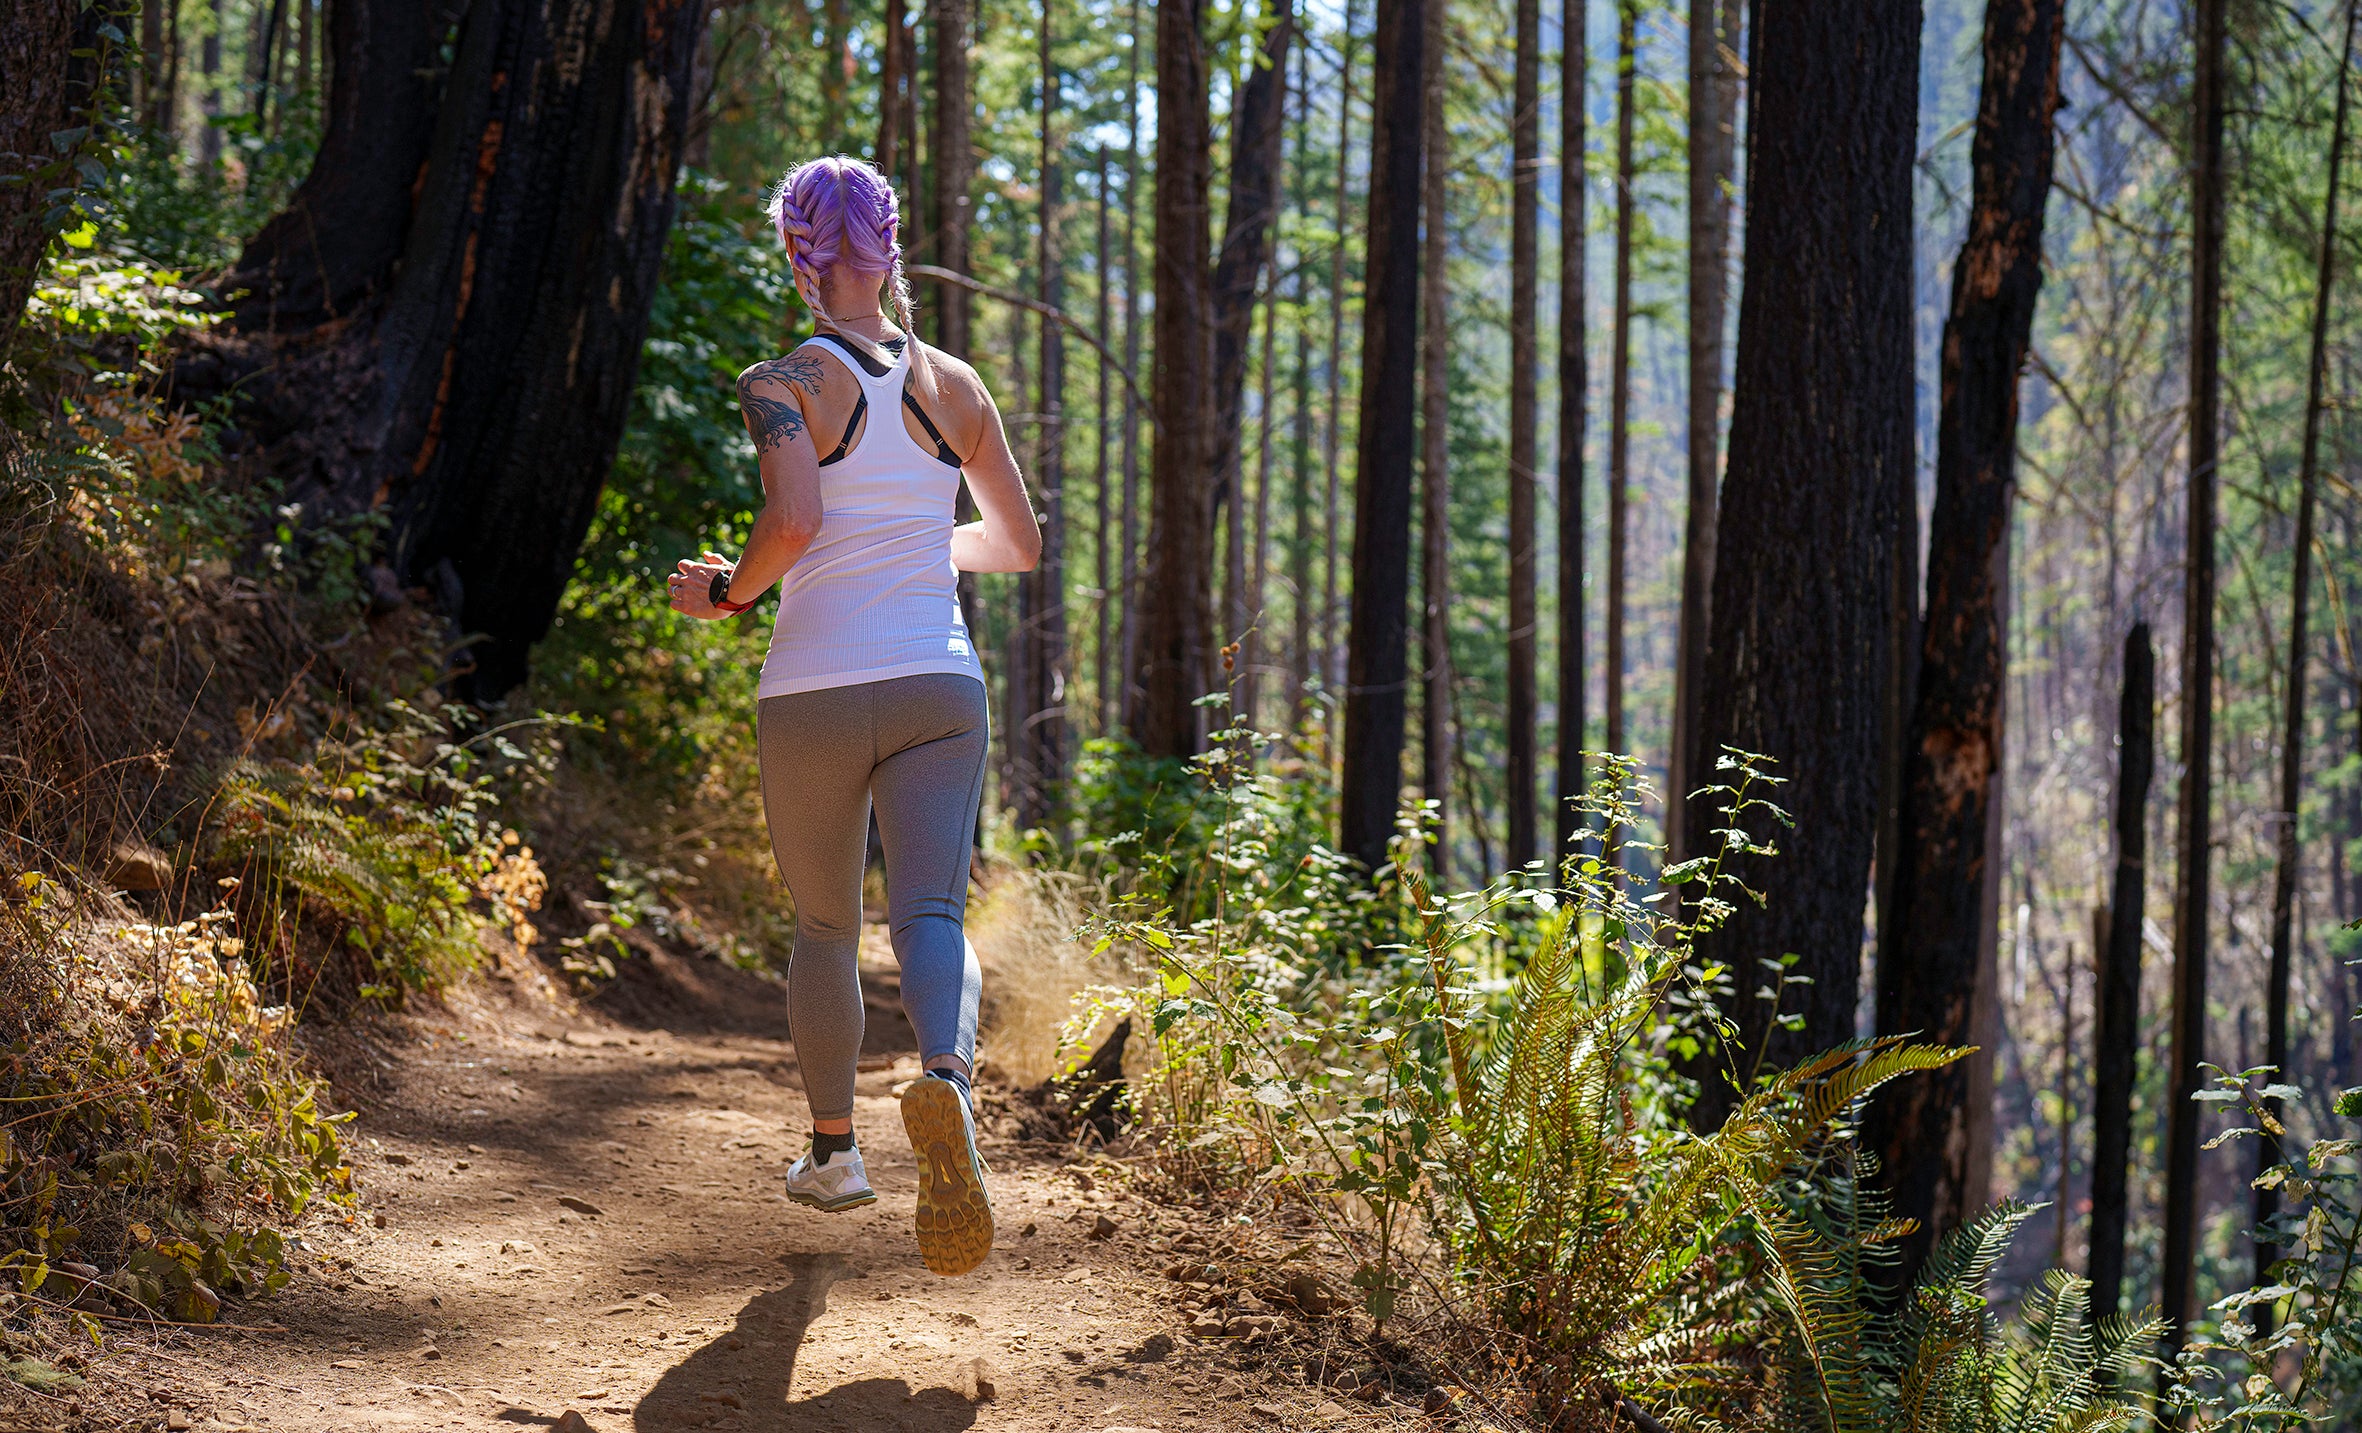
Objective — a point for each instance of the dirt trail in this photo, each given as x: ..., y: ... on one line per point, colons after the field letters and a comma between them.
x: 581, y: 1213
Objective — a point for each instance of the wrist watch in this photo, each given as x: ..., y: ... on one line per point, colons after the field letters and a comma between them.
x: 719, y: 592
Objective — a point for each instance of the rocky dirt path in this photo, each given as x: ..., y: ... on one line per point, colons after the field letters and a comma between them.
x: 567, y: 1213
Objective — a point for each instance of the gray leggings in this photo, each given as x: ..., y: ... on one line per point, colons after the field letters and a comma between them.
x: 916, y: 745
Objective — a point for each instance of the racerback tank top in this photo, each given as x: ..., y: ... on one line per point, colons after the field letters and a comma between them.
x: 875, y: 597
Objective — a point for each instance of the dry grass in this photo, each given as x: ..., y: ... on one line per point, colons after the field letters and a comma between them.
x: 1024, y: 928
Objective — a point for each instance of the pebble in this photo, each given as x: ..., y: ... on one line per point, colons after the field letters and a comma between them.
x: 1101, y: 1228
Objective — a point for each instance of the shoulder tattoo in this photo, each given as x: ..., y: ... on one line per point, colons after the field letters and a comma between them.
x: 771, y: 420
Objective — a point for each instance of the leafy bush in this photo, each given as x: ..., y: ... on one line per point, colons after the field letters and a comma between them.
x: 383, y: 839
x: 160, y: 1124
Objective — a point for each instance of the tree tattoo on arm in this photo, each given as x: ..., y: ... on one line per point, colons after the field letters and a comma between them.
x: 770, y: 420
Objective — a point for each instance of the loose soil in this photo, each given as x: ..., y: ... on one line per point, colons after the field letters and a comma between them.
x: 577, y: 1208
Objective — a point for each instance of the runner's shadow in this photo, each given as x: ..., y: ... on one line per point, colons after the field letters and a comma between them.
x: 742, y: 1377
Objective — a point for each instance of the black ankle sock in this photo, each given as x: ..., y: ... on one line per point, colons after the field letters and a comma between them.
x: 827, y: 1146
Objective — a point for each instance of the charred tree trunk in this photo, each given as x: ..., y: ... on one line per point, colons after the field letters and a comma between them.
x: 1619, y: 368
x: 1258, y: 126
x: 1377, y: 640
x: 1300, y: 654
x: 1103, y: 545
x: 1128, y: 629
x: 36, y: 53
x: 445, y: 324
x: 1331, y: 534
x: 2292, y: 722
x: 1713, y: 150
x: 1927, y: 964
x: 896, y: 54
x: 1574, y: 378
x: 2194, y: 833
x: 1435, y: 484
x: 951, y: 150
x: 1820, y: 431
x: 334, y: 252
x: 1177, y: 636
x: 2117, y: 1038
x: 1040, y: 715
x: 1522, y: 779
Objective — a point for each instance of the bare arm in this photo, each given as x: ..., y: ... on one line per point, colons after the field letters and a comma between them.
x: 1006, y: 538
x: 770, y: 398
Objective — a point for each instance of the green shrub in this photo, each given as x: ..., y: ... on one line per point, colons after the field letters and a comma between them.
x: 385, y: 839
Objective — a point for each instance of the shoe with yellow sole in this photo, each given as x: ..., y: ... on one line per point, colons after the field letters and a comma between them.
x: 954, y: 1213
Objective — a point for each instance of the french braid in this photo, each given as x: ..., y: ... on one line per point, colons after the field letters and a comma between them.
x: 840, y: 211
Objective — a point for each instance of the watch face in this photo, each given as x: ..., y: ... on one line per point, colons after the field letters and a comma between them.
x: 718, y: 591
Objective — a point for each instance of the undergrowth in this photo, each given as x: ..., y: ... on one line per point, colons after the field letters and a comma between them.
x: 1477, y: 1095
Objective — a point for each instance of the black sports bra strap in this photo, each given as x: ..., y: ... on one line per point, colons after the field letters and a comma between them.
x: 942, y: 449
x: 854, y: 351
x: 860, y: 406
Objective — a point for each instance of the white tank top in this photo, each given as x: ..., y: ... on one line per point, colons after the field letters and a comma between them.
x: 875, y: 596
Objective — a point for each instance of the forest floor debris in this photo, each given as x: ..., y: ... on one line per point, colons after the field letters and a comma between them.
x: 572, y: 1220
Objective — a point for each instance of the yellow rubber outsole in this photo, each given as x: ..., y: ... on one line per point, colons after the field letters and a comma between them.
x: 954, y: 1213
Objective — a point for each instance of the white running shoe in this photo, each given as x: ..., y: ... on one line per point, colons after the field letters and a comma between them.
x: 836, y: 1184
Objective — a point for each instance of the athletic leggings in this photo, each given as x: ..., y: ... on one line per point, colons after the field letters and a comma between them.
x: 916, y: 746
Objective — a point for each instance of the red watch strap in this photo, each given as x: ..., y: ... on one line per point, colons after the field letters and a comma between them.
x: 736, y: 606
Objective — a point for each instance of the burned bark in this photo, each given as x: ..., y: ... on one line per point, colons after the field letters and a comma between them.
x: 2194, y: 823
x: 2117, y: 1038
x: 1927, y: 963
x: 468, y: 377
x: 1573, y: 413
x: 1257, y: 126
x: 1525, y: 178
x: 1177, y: 627
x: 1377, y: 641
x: 1821, y: 427
x: 46, y: 97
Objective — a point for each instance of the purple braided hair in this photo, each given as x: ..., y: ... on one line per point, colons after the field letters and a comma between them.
x: 840, y: 211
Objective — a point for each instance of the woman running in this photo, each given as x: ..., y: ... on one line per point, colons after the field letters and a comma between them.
x: 872, y: 692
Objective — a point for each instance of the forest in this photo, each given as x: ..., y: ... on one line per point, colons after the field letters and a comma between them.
x: 1690, y: 707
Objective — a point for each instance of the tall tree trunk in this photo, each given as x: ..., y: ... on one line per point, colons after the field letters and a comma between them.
x: 1522, y: 778
x: 1177, y: 640
x: 1129, y: 633
x: 1331, y: 537
x: 835, y: 74
x: 1040, y: 718
x: 304, y: 19
x: 209, y: 102
x: 36, y: 53
x: 1435, y: 416
x: 949, y: 207
x: 1251, y: 655
x: 1820, y: 430
x: 470, y: 379
x: 1103, y: 546
x: 2292, y: 723
x: 893, y: 82
x: 1300, y: 480
x: 2194, y: 826
x: 336, y: 250
x: 2117, y: 1038
x: 1574, y: 381
x: 1375, y: 668
x: 1258, y: 129
x: 151, y: 58
x: 1619, y: 361
x: 1713, y: 151
x: 1927, y: 966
